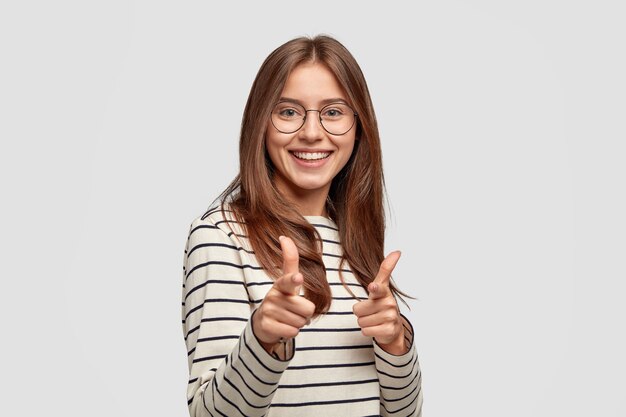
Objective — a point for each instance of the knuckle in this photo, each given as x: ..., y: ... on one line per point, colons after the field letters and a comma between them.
x: 268, y: 308
x: 309, y: 308
x: 263, y: 326
x: 386, y: 266
x: 302, y: 322
x: 261, y: 312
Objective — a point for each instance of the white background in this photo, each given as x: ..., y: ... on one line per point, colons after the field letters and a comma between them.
x: 503, y: 134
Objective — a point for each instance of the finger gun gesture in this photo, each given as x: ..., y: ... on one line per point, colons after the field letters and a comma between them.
x: 379, y: 315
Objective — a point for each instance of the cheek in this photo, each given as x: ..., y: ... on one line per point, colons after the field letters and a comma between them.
x: 274, y: 146
x: 348, y: 151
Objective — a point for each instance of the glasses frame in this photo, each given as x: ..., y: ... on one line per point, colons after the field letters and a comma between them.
x: 306, y: 112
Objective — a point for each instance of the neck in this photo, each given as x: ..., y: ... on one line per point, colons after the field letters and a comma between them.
x: 307, y: 202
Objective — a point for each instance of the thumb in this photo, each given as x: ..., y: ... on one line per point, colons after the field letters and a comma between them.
x: 289, y: 284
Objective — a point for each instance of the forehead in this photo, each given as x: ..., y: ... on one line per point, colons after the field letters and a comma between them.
x: 312, y: 83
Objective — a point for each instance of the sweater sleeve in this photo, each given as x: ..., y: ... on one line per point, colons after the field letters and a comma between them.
x: 230, y: 373
x: 400, y: 379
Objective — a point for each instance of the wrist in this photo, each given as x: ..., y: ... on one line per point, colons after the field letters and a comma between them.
x: 268, y: 346
x: 396, y: 347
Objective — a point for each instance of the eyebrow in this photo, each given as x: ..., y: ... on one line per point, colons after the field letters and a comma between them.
x: 323, y: 102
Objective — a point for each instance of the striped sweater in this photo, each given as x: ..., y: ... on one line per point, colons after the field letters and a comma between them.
x: 330, y: 368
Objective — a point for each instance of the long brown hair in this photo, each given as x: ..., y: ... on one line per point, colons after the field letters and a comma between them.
x: 355, y: 199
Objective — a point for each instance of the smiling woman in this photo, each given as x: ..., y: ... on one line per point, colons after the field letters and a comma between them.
x: 305, y: 155
x: 288, y: 303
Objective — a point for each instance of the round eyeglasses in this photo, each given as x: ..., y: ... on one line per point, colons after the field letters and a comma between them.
x: 336, y: 118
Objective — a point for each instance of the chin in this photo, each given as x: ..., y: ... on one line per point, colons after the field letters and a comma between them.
x: 310, y: 185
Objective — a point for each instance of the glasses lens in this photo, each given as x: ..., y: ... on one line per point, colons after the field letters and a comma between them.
x: 288, y: 117
x: 337, y: 118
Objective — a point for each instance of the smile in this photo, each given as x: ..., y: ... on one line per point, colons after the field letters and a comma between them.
x: 311, y: 156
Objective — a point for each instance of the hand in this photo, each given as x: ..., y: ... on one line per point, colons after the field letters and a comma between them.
x: 283, y: 311
x: 379, y: 316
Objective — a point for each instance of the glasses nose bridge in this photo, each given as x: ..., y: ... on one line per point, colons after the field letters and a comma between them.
x: 306, y: 113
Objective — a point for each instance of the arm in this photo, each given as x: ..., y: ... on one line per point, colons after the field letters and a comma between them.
x: 395, y: 355
x: 400, y: 378
x: 230, y: 373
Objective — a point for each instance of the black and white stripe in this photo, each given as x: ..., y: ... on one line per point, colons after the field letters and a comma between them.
x: 329, y: 368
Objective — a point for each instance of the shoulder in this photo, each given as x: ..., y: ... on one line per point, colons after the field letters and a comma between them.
x: 213, y: 239
x: 216, y: 223
x: 217, y: 215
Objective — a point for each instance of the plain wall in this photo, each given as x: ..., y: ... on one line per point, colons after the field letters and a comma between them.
x: 502, y: 127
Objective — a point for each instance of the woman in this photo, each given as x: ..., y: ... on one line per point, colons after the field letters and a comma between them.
x: 288, y: 307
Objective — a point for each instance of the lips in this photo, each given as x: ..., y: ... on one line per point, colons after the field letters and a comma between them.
x: 311, y: 156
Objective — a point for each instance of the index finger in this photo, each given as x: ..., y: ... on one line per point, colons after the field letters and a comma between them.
x: 381, y: 282
x: 291, y: 258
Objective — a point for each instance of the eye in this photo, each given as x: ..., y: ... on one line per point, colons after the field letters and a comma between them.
x: 334, y: 112
x: 287, y: 111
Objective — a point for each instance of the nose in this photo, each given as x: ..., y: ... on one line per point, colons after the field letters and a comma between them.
x: 312, y: 129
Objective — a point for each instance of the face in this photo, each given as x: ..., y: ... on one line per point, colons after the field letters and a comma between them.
x: 307, y: 160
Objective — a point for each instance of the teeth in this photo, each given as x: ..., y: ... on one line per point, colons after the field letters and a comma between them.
x: 311, y: 155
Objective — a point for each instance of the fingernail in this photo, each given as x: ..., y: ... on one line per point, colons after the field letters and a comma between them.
x: 281, y: 237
